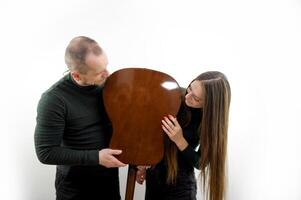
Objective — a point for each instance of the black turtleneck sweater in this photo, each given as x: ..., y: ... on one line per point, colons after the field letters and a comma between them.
x: 71, y: 124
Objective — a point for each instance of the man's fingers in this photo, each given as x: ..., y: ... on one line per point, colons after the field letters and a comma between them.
x: 116, y: 162
x: 107, y: 159
x: 115, y: 151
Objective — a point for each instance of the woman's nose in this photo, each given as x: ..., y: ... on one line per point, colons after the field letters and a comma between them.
x: 187, y: 95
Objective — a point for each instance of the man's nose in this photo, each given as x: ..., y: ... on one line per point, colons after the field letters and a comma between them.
x: 106, y: 73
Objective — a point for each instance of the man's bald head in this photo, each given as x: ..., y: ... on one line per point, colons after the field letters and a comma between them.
x: 78, y: 50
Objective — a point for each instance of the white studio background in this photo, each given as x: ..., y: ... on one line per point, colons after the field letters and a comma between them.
x: 256, y: 43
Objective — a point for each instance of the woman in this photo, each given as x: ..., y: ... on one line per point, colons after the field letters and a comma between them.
x: 201, y: 122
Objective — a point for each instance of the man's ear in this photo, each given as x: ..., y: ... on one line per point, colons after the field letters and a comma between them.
x: 75, y: 75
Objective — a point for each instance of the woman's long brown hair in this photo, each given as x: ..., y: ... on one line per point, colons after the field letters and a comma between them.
x: 171, y: 150
x: 213, y: 136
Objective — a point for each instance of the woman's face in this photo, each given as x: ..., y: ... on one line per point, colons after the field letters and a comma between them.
x: 195, y: 95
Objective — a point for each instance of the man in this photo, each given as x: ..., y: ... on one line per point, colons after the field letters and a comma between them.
x: 73, y: 131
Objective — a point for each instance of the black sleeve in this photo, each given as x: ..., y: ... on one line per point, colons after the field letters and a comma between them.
x: 192, y: 156
x: 49, y: 132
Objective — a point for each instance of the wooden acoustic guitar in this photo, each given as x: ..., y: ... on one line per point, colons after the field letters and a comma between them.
x: 136, y: 100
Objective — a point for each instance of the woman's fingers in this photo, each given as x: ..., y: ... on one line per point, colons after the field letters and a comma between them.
x: 140, y: 175
x: 166, y: 125
x: 169, y: 133
x: 143, y: 167
x: 174, y: 120
x: 166, y: 131
x: 169, y: 122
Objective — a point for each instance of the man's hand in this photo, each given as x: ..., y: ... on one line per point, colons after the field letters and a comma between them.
x: 107, y: 159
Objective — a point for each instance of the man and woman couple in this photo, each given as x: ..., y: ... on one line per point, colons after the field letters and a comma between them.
x: 73, y: 132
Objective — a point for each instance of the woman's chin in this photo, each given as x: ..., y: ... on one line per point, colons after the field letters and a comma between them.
x: 187, y: 103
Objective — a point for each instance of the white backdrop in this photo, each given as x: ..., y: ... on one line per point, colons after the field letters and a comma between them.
x: 256, y: 43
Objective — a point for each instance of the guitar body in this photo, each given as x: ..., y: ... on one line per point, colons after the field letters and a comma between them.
x: 136, y: 100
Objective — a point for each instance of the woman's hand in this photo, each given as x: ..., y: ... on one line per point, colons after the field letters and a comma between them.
x: 174, y: 131
x: 141, y: 173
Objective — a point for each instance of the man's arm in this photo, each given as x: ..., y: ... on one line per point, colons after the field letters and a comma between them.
x: 49, y: 133
x: 48, y: 136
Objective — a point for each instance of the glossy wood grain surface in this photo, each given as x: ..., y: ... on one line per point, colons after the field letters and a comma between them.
x: 136, y: 100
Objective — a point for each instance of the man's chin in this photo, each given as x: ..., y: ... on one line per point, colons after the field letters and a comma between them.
x: 99, y: 84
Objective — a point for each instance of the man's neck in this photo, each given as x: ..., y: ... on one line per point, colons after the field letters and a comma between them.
x: 77, y: 82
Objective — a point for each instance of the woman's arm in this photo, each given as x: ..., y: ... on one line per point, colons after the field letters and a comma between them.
x: 174, y: 131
